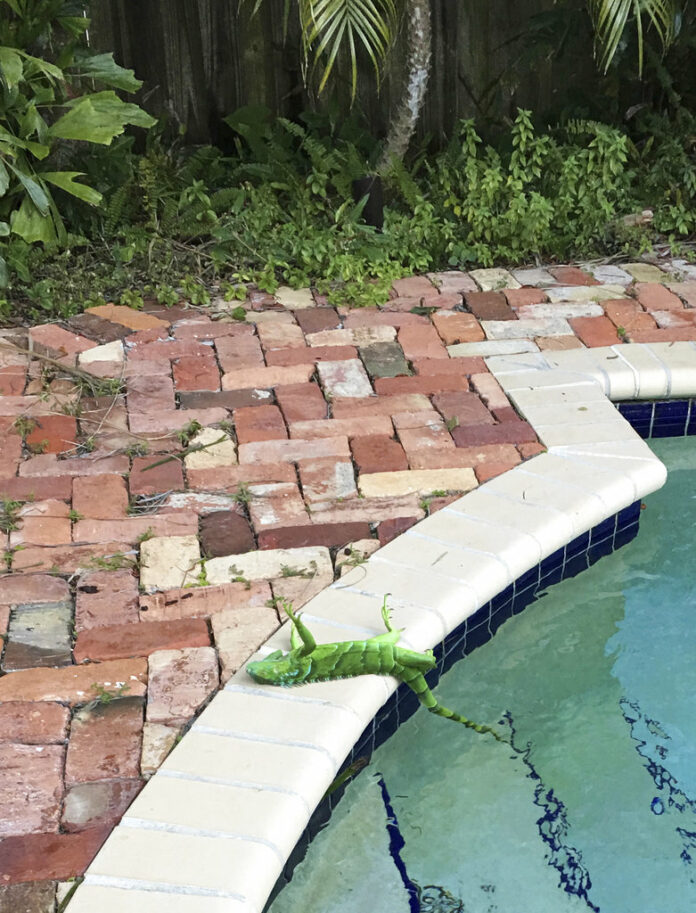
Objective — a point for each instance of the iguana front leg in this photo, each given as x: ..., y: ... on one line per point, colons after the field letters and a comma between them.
x: 300, y: 637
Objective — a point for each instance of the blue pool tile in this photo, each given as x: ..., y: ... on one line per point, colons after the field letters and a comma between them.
x: 603, y: 530
x: 669, y: 429
x: 553, y: 561
x: 628, y: 515
x: 673, y: 410
x: 578, y: 546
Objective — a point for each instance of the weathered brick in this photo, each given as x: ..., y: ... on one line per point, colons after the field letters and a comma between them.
x: 654, y: 296
x: 225, y: 532
x: 422, y: 481
x: 196, y: 373
x: 339, y: 427
x: 505, y: 433
x: 34, y: 588
x: 216, y: 448
x: 302, y: 402
x: 202, y: 602
x: 102, y: 802
x: 531, y: 449
x: 489, y: 390
x: 414, y: 287
x: 277, y: 504
x: 73, y: 684
x: 678, y: 334
x: 595, y: 331
x: 521, y: 297
x: 42, y: 523
x: 51, y: 338
x: 33, y: 722
x: 127, y: 317
x: 459, y: 366
x: 292, y: 450
x: 571, y: 275
x: 47, y: 464
x: 421, y: 342
x: 100, y: 497
x: 180, y: 681
x: 145, y: 481
x: 457, y: 327
x: 371, y: 510
x: 243, y: 378
x: 174, y: 420
x: 462, y: 408
x: 158, y: 741
x: 106, y: 598
x: 494, y: 278
x: 34, y: 897
x: 384, y: 359
x: 105, y: 742
x: 259, y: 423
x: 379, y: 405
x: 486, y: 471
x: 297, y: 356
x: 390, y: 529
x: 150, y: 394
x: 378, y: 453
x: 53, y: 434
x: 229, y: 478
x: 329, y: 534
x: 556, y: 343
x: 34, y: 857
x: 210, y: 329
x: 489, y: 306
x: 12, y: 380
x: 31, y: 788
x: 326, y: 480
x: 236, y: 352
x: 426, y: 384
x: 38, y: 635
x: 141, y: 639
x: 453, y: 281
x: 313, y: 320
x: 131, y: 529
x: 226, y: 399
x: 66, y: 559
x: 344, y: 378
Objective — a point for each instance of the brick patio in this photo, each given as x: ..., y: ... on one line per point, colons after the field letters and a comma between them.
x: 169, y: 475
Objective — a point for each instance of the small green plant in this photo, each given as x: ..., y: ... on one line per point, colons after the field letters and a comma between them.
x: 287, y: 571
x: 115, y: 562
x: 132, y: 299
x: 24, y: 425
x: 37, y: 447
x: 9, y: 514
x: 236, y: 576
x: 452, y: 423
x: 143, y: 537
x: 136, y: 449
x: 242, y: 495
x: 103, y: 695
x: 74, y: 515
x: 88, y: 445
x: 195, y: 291
x: 187, y: 432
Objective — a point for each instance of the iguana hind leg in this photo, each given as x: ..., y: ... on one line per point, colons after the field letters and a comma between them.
x: 417, y: 683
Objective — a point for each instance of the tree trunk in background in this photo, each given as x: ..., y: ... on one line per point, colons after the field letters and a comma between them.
x: 402, y: 125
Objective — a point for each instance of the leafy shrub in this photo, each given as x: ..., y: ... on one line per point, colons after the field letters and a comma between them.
x: 46, y: 104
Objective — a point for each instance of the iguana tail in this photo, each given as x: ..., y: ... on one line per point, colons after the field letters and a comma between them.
x: 417, y: 683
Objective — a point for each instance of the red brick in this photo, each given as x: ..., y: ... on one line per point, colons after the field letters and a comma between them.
x: 677, y: 334
x: 10, y: 455
x: 488, y: 305
x: 53, y: 434
x: 427, y: 438
x: 65, y: 559
x: 457, y: 327
x: 23, y: 489
x: 686, y: 291
x: 390, y: 529
x: 556, y: 343
x: 100, y: 803
x: 225, y: 532
x: 654, y: 296
x: 57, y: 341
x: 673, y: 319
x: 100, y: 497
x: 211, y: 329
x: 142, y: 337
x: 424, y: 383
x: 128, y: 317
x: 259, y: 423
x: 414, y: 287
x: 378, y: 453
x: 192, y: 373
x: 163, y: 350
x: 36, y: 857
x: 180, y: 681
x: 427, y: 367
x: 31, y: 788
x: 33, y: 897
x: 178, y: 523
x: 327, y: 480
x: 277, y: 504
x: 141, y: 639
x: 73, y: 684
x: 530, y: 450
x: 166, y: 477
x: 47, y: 464
x: 521, y: 297
x: 301, y: 402
x: 33, y: 722
x: 505, y: 433
x: 595, y: 331
x: 350, y: 427
x: 12, y: 380
x: 105, y: 742
x: 362, y: 407
x: 628, y: 314
x: 150, y: 394
x: 42, y: 530
x: 421, y: 342
x: 202, y: 602
x: 34, y: 588
x: 295, y: 356
x: 280, y: 333
x: 292, y: 450
x: 239, y: 352
x: 226, y: 399
x: 106, y: 598
x: 365, y: 317
x: 262, y: 376
x: 464, y: 408
x: 572, y: 275
x: 228, y: 478
x: 435, y: 504
x: 328, y: 534
x: 457, y: 458
x: 486, y: 471
x: 314, y: 320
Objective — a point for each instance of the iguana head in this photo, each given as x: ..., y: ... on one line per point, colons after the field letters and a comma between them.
x: 280, y: 668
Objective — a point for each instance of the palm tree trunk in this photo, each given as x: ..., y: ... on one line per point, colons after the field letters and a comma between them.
x: 403, y: 123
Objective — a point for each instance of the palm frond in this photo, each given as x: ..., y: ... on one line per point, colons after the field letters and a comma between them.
x: 610, y: 18
x: 328, y: 26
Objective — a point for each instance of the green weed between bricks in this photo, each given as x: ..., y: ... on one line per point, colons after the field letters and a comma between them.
x: 281, y: 210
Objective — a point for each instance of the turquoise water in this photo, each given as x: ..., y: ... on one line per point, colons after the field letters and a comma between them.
x: 595, y: 809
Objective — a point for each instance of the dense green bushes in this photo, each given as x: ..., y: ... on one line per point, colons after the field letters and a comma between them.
x: 280, y: 209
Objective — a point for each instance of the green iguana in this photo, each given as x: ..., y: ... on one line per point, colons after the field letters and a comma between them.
x: 309, y: 662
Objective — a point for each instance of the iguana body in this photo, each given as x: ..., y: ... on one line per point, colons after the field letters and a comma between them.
x: 309, y: 662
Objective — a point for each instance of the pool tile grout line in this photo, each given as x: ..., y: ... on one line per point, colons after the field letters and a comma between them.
x: 570, y: 522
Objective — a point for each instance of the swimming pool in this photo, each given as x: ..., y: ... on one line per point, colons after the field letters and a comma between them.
x: 595, y: 809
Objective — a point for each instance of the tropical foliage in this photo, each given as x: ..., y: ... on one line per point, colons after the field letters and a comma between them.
x: 52, y: 93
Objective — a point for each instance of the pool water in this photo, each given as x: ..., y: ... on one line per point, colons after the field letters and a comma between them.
x: 594, y: 807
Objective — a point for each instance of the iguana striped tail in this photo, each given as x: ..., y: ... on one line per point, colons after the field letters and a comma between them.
x: 417, y: 683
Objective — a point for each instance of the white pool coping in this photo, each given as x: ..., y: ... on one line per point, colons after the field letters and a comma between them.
x: 213, y: 828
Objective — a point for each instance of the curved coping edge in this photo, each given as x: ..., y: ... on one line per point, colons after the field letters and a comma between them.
x: 213, y: 828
